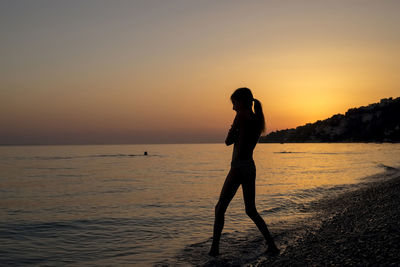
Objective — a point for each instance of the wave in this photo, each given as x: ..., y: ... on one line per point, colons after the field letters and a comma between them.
x: 274, y: 210
x: 117, y: 155
x: 237, y: 249
x: 86, y: 156
x: 71, y: 242
x: 387, y: 168
x: 288, y: 152
x: 50, y: 168
x: 316, y: 153
x: 240, y: 248
x: 318, y: 191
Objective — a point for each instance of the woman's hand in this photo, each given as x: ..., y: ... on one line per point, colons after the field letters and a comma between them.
x: 233, y: 132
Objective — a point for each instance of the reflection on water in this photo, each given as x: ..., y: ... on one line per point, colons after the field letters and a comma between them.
x: 111, y: 204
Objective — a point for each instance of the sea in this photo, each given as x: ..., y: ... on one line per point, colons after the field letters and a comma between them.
x: 114, y: 205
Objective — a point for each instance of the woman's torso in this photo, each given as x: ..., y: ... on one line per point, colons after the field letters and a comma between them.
x: 249, y: 133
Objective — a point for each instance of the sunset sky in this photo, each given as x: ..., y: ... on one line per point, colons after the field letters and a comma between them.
x: 76, y: 72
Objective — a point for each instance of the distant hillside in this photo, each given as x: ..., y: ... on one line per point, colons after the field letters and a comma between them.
x: 378, y: 122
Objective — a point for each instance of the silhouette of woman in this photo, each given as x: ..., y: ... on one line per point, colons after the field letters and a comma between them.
x: 244, y: 134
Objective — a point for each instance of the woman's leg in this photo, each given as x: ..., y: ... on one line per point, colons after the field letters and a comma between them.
x: 232, y: 183
x: 249, y: 195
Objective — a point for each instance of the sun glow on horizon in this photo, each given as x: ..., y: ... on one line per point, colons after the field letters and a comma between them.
x: 140, y: 72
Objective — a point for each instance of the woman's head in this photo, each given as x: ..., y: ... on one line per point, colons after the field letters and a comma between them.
x: 242, y: 99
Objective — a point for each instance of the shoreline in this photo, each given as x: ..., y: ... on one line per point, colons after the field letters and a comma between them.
x: 360, y: 227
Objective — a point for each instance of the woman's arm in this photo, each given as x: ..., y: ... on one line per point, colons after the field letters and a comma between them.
x: 233, y: 133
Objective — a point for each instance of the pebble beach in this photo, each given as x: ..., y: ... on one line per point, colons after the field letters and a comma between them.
x: 359, y: 228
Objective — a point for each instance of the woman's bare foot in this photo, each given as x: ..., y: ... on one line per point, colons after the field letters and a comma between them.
x: 213, y: 252
x: 272, y: 250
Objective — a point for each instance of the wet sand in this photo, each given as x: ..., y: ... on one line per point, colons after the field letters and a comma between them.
x: 360, y: 227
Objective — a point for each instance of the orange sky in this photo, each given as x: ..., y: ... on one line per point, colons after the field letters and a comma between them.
x: 163, y: 71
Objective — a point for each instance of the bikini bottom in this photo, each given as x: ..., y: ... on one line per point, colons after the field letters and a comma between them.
x: 247, y: 168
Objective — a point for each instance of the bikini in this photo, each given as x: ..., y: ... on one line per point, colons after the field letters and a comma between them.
x: 242, y: 163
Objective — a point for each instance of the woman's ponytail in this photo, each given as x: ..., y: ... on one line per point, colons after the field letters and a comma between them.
x: 245, y: 96
x: 259, y: 114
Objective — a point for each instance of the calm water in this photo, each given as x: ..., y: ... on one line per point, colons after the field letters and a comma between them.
x: 111, y: 205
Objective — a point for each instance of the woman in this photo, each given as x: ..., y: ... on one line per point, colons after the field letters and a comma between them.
x: 244, y: 134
